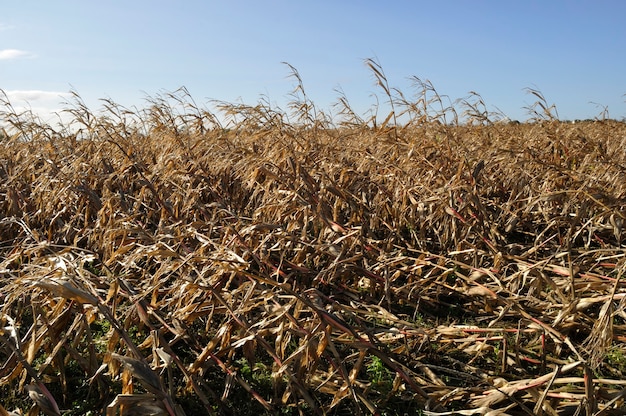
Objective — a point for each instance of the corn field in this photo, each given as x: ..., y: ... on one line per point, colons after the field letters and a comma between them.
x: 436, y: 259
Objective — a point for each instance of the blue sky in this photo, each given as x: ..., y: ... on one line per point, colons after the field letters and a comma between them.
x: 574, y: 52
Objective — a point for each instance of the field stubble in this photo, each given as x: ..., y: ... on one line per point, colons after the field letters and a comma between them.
x: 157, y: 262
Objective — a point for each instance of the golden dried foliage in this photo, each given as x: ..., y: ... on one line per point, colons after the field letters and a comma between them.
x: 160, y: 258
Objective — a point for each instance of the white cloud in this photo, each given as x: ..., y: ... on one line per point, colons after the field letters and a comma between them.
x: 36, y: 95
x: 5, y: 27
x: 45, y: 104
x: 13, y: 54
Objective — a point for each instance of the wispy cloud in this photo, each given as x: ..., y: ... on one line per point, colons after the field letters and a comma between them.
x: 44, y: 104
x: 5, y: 27
x: 36, y: 95
x: 6, y: 54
